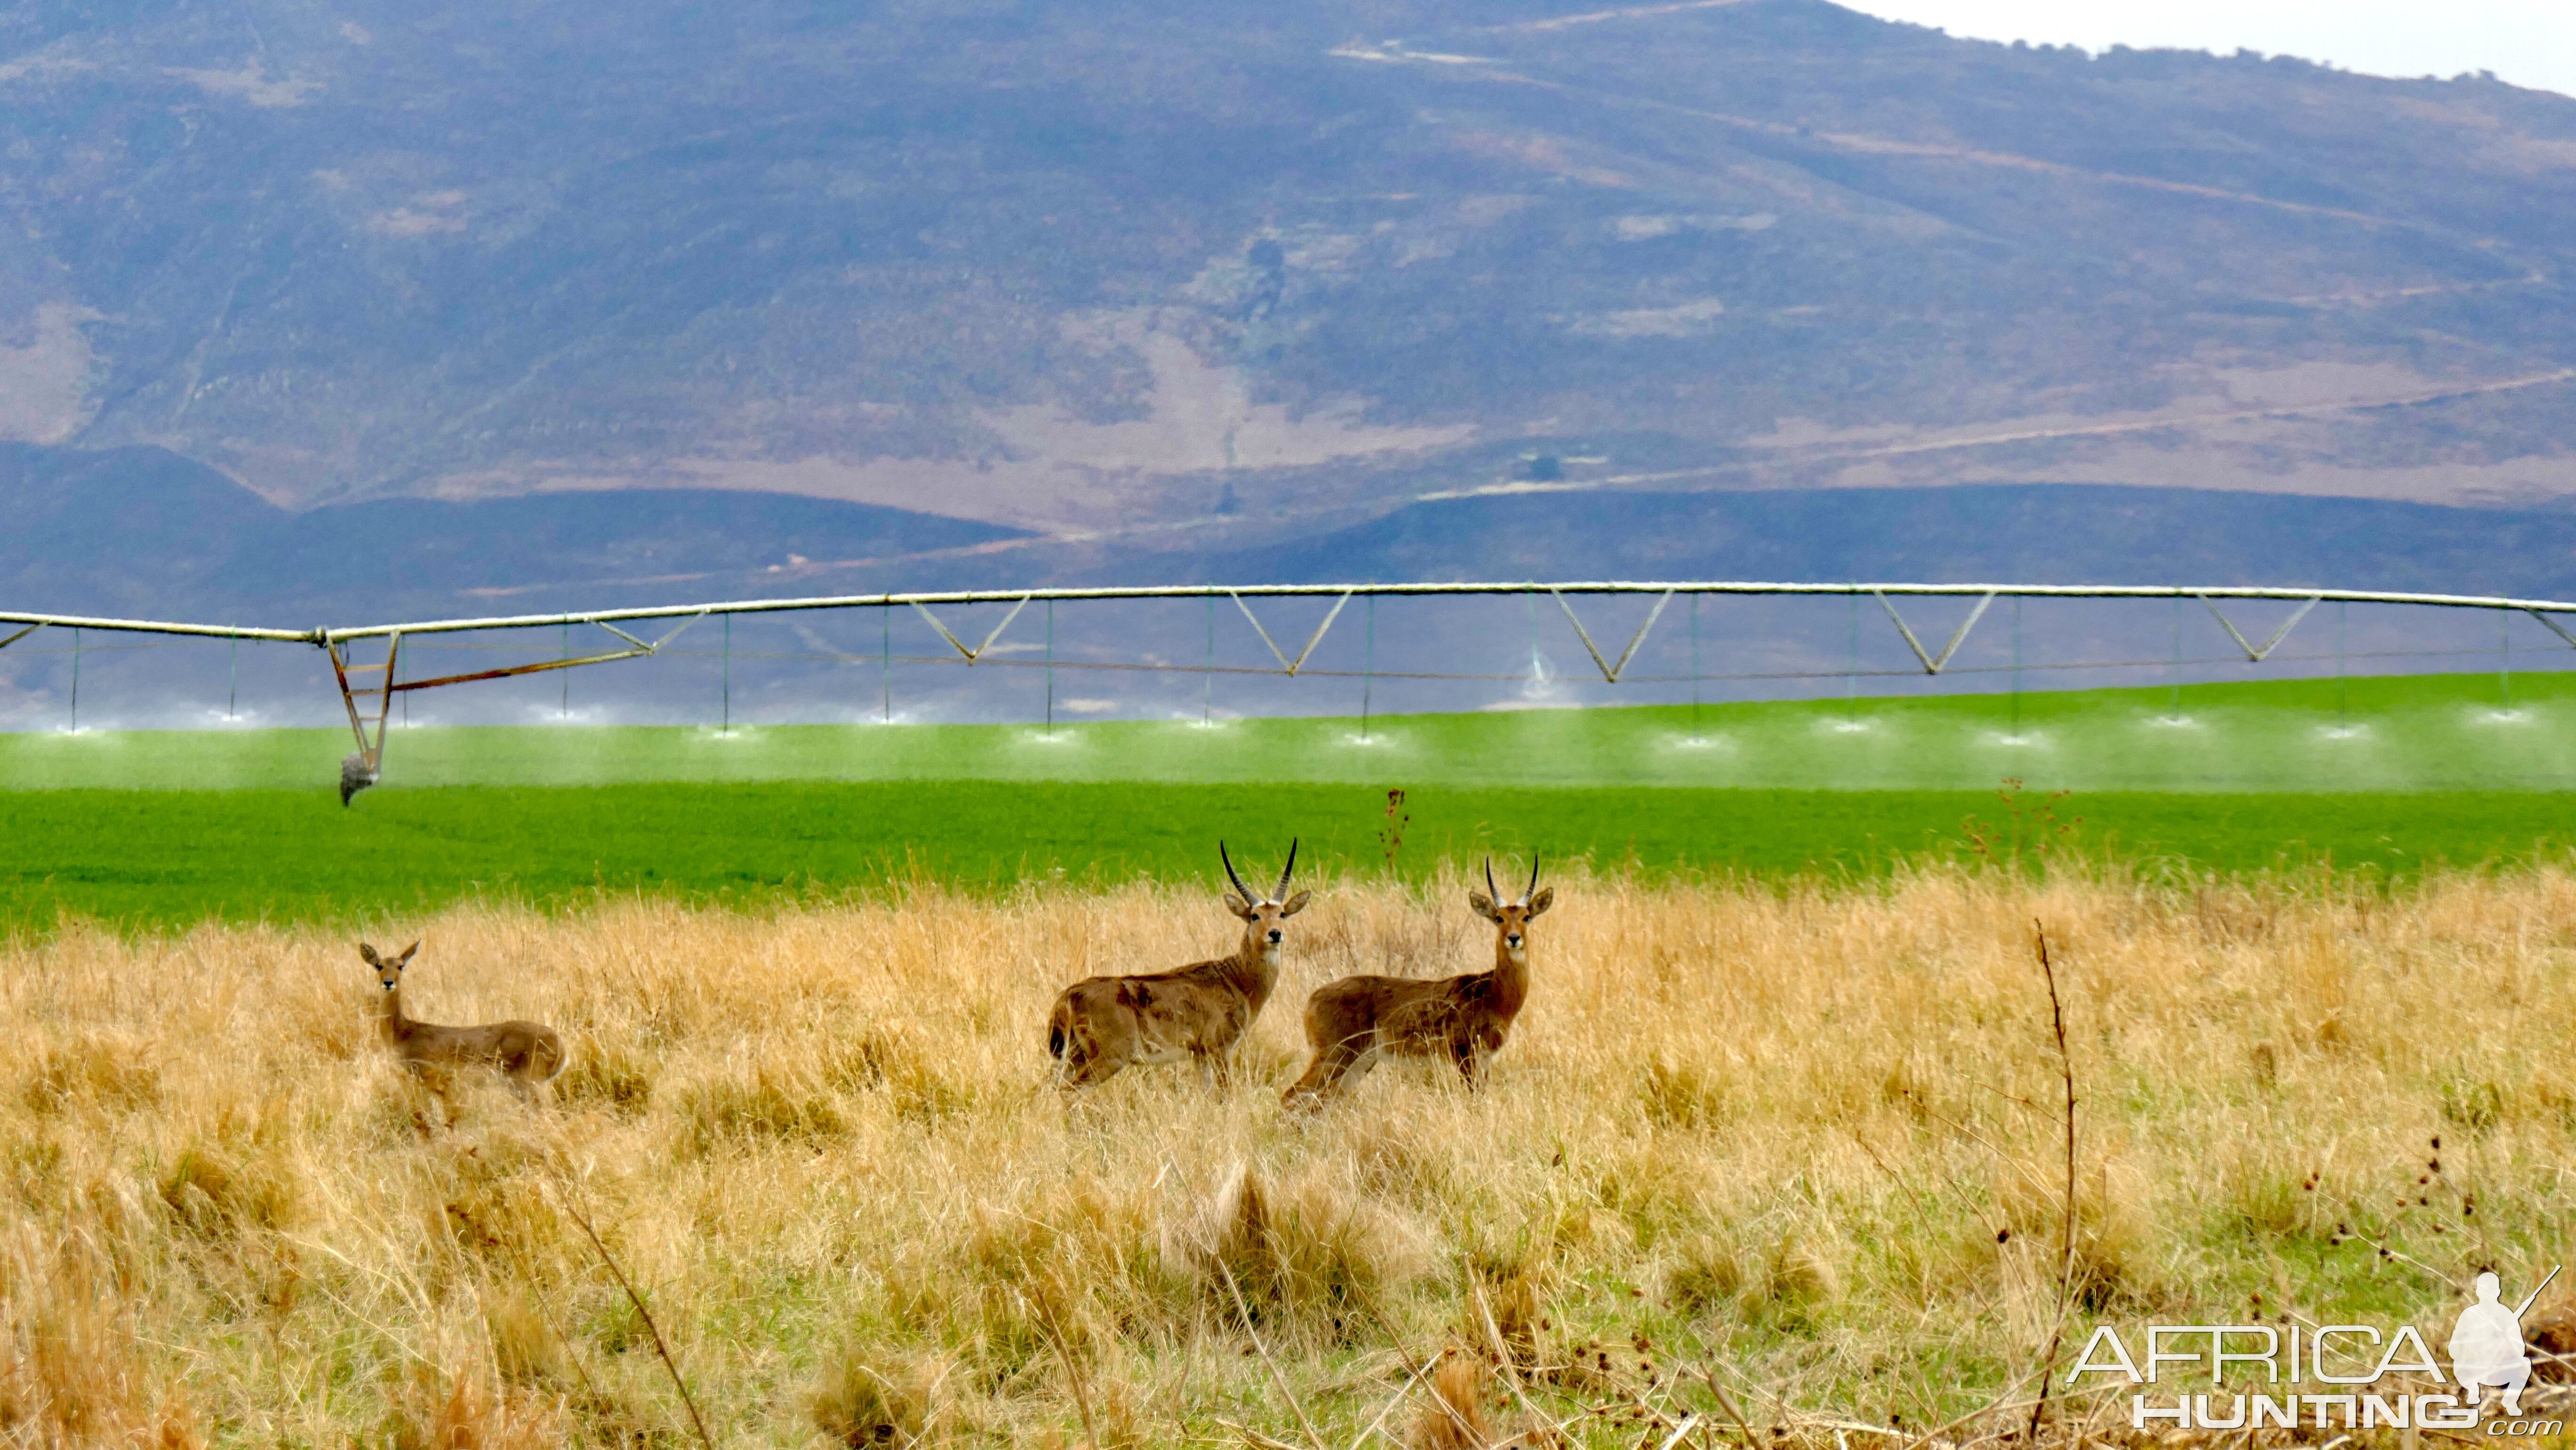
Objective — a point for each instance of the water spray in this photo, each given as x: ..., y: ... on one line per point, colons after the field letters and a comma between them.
x: 1368, y: 667
x: 1694, y: 629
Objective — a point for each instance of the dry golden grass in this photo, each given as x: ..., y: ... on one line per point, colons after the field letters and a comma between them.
x: 1802, y: 1138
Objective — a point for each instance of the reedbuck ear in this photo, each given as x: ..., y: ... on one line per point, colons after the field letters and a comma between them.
x: 1296, y: 903
x: 1240, y: 907
x: 1545, y: 898
x: 1484, y: 906
x: 368, y: 955
x: 407, y: 954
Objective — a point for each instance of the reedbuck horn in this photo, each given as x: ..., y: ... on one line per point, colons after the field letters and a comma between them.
x: 1250, y: 896
x: 1531, y: 889
x: 1286, y: 871
x: 1491, y: 890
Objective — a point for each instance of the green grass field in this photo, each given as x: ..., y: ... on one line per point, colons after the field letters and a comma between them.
x: 162, y: 829
x: 168, y: 857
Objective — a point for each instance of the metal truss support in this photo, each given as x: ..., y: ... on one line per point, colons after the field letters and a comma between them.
x: 31, y: 629
x: 1610, y: 672
x: 2552, y: 625
x: 1934, y: 664
x: 972, y: 655
x: 1286, y: 664
x: 2256, y: 653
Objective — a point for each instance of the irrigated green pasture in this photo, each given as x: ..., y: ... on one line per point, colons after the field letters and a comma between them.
x: 172, y: 856
x: 2402, y: 733
x: 243, y: 826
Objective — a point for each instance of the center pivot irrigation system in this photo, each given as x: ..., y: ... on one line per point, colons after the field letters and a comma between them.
x: 367, y: 690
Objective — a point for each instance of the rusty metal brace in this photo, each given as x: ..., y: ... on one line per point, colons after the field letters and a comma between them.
x: 371, y: 753
x: 1934, y: 664
x: 31, y: 629
x: 1609, y: 671
x: 972, y: 655
x: 1285, y: 663
x: 2256, y: 654
x: 642, y: 649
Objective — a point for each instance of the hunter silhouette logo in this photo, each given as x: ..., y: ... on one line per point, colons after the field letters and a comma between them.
x: 2487, y: 1352
x: 2486, y: 1345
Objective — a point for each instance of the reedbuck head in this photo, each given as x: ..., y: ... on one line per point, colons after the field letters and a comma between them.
x: 388, y: 969
x: 1511, y: 918
x: 1262, y: 915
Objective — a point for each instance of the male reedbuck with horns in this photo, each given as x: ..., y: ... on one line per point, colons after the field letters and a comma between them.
x: 526, y: 1053
x: 1353, y: 1022
x: 1104, y: 1024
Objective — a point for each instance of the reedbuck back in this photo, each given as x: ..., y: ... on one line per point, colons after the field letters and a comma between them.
x: 1102, y: 1025
x: 526, y: 1053
x: 1351, y: 1023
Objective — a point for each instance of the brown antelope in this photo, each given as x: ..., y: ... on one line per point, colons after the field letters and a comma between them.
x: 1104, y: 1024
x: 526, y: 1053
x: 1353, y: 1022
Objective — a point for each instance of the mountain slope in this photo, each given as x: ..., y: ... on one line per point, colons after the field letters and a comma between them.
x: 1090, y: 264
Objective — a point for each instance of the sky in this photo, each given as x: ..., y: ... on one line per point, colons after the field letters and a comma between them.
x: 2528, y: 42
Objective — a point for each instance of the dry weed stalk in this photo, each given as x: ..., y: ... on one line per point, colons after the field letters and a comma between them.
x: 2066, y: 1213
x: 661, y: 1347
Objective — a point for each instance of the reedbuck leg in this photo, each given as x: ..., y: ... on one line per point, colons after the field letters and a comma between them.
x: 1086, y: 1064
x: 1471, y: 1063
x: 1215, y: 1068
x: 524, y: 1081
x: 1335, y: 1066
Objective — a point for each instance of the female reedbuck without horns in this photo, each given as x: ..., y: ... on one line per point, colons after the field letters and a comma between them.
x: 526, y: 1053
x: 1103, y: 1024
x: 1353, y: 1022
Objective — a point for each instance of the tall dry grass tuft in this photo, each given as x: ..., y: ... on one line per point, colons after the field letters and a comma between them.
x: 74, y: 1373
x: 1803, y: 1135
x: 438, y: 1411
x: 869, y: 1397
x: 1452, y: 1416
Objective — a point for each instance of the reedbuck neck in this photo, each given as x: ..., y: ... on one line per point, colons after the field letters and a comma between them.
x: 1511, y: 921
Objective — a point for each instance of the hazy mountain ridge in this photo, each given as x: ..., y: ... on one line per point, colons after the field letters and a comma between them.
x: 142, y: 532
x: 1091, y: 265
x: 1982, y: 533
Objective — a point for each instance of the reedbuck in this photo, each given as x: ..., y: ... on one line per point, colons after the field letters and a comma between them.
x: 1103, y: 1024
x: 1353, y: 1022
x: 527, y: 1053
